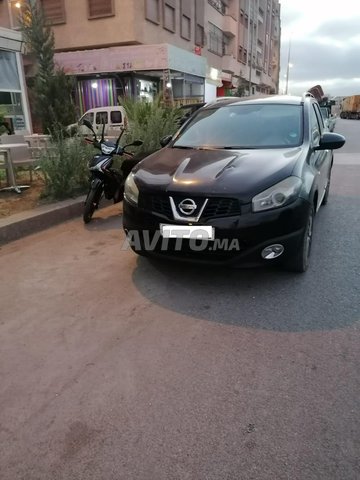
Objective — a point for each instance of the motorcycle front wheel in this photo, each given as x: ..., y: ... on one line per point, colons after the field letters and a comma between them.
x: 92, y: 202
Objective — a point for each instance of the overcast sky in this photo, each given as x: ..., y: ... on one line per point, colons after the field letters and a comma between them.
x: 325, y: 45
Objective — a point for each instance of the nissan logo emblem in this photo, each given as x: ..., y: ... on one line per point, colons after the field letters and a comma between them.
x: 187, y: 206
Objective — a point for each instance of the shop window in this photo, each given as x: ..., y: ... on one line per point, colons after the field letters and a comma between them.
x: 54, y: 11
x: 152, y: 10
x: 185, y: 27
x: 169, y: 17
x: 115, y: 117
x: 101, y: 8
x: 5, y: 98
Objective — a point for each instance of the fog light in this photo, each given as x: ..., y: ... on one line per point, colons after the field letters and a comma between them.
x: 272, y: 251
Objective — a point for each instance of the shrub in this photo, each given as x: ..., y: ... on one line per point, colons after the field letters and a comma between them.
x: 63, y: 166
x: 150, y: 122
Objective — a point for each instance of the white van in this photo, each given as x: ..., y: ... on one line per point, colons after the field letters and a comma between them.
x: 114, y: 118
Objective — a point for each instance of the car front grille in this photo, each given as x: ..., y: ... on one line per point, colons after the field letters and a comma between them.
x: 215, y: 207
x: 221, y: 207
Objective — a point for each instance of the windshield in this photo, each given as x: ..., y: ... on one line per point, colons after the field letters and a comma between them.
x: 244, y: 126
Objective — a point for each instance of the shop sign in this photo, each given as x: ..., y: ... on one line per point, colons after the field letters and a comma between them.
x: 19, y: 122
x: 113, y: 59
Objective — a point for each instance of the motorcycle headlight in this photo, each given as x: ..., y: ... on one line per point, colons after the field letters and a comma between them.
x: 131, y: 191
x: 278, y: 195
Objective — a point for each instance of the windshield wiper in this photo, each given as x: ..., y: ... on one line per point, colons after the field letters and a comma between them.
x: 183, y: 146
x: 236, y: 147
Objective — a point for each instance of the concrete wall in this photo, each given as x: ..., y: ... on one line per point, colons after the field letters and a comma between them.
x: 79, y: 32
x: 4, y: 15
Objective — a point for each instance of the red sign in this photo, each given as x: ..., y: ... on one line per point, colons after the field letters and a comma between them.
x: 197, y: 50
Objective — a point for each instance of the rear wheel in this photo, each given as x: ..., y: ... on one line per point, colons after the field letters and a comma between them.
x: 300, y: 262
x: 92, y: 202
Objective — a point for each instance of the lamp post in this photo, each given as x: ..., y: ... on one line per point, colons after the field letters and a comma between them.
x: 289, y: 65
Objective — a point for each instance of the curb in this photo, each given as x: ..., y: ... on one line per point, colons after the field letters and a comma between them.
x: 25, y: 223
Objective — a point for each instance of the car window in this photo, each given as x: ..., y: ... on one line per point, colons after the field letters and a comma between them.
x: 88, y: 116
x: 244, y: 126
x: 314, y: 125
x: 101, y: 117
x: 324, y: 112
x: 115, y: 116
x: 321, y: 119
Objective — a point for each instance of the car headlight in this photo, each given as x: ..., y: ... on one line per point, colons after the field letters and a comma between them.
x: 131, y: 191
x: 278, y: 195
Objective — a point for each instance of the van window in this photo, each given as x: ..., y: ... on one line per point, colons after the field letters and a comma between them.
x: 101, y: 117
x: 115, y: 116
x: 88, y: 116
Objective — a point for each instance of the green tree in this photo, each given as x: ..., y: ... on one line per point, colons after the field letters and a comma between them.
x: 149, y: 122
x: 51, y: 88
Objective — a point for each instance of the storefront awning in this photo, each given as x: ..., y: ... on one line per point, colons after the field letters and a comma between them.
x: 131, y: 58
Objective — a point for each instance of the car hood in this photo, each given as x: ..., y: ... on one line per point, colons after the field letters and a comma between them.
x: 215, y: 172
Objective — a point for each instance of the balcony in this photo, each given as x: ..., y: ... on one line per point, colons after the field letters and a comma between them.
x: 230, y: 26
x: 230, y: 65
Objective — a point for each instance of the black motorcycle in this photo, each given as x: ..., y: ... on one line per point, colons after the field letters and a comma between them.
x: 106, y: 180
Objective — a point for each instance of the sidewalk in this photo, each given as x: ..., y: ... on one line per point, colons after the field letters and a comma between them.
x: 40, y: 218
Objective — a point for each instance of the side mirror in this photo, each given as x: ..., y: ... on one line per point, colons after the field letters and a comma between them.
x: 330, y: 141
x: 165, y: 140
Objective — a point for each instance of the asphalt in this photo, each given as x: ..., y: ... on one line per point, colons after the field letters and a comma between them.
x: 114, y: 367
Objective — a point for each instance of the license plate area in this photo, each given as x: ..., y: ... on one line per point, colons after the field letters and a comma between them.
x: 193, y: 232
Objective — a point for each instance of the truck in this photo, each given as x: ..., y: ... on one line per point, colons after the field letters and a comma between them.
x: 350, y: 107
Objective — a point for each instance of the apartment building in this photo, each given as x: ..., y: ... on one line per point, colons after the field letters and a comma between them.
x: 193, y: 49
x: 13, y: 93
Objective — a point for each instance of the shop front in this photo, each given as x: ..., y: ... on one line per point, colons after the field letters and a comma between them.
x: 228, y: 86
x: 141, y: 72
x: 13, y: 96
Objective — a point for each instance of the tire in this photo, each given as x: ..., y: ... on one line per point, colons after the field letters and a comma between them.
x: 327, y: 190
x: 92, y: 202
x: 300, y: 262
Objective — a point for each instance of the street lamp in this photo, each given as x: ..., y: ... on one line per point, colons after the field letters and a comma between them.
x: 289, y: 65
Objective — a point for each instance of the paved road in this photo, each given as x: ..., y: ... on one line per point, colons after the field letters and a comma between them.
x: 113, y: 367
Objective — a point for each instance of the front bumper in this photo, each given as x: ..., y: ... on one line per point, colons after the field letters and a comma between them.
x: 239, y: 240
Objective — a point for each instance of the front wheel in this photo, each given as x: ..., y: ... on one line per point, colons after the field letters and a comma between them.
x: 92, y: 202
x: 300, y: 262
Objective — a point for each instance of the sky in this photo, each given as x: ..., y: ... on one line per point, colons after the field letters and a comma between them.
x: 324, y: 39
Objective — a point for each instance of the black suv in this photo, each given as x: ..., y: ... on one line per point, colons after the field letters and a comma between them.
x: 239, y: 183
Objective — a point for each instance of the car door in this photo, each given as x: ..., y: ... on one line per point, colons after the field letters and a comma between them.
x: 100, y: 118
x: 116, y: 122
x: 321, y: 159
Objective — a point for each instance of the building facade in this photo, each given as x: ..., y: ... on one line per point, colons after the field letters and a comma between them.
x: 13, y: 93
x: 195, y: 50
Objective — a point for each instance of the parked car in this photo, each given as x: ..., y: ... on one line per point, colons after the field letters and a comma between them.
x: 329, y: 119
x: 114, y: 118
x: 240, y: 183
